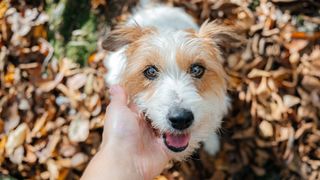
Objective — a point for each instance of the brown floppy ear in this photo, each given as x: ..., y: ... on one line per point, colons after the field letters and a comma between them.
x: 122, y: 36
x: 221, y: 35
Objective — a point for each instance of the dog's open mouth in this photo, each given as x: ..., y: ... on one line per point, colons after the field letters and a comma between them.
x: 176, y: 142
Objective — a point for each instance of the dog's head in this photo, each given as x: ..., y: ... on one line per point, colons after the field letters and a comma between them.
x: 176, y: 78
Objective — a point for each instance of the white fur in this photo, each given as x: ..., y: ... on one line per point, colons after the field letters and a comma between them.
x: 212, y: 144
x: 115, y: 64
x: 163, y: 17
x: 174, y: 88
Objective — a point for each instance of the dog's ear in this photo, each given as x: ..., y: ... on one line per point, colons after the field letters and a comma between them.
x: 221, y: 35
x: 123, y: 35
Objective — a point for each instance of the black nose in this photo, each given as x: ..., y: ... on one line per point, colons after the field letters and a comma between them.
x: 180, y: 118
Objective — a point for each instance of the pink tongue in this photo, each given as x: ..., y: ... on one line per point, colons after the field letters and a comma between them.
x: 177, y: 140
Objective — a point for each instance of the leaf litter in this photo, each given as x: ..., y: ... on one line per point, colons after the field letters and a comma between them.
x: 52, y: 109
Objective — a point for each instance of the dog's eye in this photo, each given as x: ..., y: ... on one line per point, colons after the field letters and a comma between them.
x: 151, y: 72
x: 197, y: 70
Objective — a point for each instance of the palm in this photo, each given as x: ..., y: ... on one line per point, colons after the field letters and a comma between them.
x: 151, y: 155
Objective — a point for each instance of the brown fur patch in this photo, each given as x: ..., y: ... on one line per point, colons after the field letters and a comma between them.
x: 124, y: 35
x: 207, y: 55
x: 140, y: 55
x: 219, y: 34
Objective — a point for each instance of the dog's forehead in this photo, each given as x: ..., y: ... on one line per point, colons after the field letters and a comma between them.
x: 170, y: 41
x: 170, y: 45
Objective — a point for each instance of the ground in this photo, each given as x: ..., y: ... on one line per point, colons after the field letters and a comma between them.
x: 53, y: 95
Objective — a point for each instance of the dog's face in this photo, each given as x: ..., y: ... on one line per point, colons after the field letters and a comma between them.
x: 176, y: 78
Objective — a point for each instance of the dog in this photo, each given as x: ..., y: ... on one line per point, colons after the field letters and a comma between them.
x: 172, y: 70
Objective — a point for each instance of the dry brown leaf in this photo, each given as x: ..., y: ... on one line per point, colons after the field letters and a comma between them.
x: 4, y: 5
x: 78, y: 159
x: 74, y: 96
x: 78, y: 130
x: 258, y: 73
x: 302, y: 129
x: 266, y: 129
x: 296, y: 45
x: 39, y: 124
x: 64, y: 163
x: 290, y: 101
x: 77, y: 81
x: 97, y: 122
x: 16, y: 138
x: 30, y: 156
x: 310, y: 82
x: 273, y: 85
x: 67, y: 149
x: 285, y: 133
x: 46, y: 153
x: 88, y: 89
x: 3, y: 141
x: 17, y: 155
x: 53, y: 169
x: 13, y: 119
x: 48, y: 86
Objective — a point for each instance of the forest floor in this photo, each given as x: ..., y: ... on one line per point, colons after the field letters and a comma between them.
x: 53, y: 95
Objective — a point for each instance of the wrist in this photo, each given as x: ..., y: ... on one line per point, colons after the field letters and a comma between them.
x: 118, y: 162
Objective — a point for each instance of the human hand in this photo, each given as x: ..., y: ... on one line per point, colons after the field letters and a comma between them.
x: 129, y: 147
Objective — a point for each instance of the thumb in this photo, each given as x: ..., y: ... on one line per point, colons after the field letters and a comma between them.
x: 118, y: 96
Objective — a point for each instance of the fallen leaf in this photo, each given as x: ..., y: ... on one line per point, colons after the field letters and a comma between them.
x: 78, y: 159
x: 53, y: 169
x: 266, y: 129
x: 13, y: 119
x: 4, y: 5
x: 16, y: 138
x: 17, y: 155
x: 46, y: 153
x: 290, y: 101
x: 39, y: 124
x: 3, y: 141
x: 77, y: 81
x: 78, y: 130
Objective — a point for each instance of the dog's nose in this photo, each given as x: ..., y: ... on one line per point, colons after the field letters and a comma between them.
x: 180, y: 118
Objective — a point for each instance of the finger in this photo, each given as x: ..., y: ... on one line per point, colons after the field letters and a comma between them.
x: 118, y: 95
x: 133, y: 107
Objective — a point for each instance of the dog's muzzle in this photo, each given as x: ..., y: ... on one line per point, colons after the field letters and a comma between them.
x: 179, y: 119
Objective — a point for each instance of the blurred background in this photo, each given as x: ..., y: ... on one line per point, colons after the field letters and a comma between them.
x: 53, y: 95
